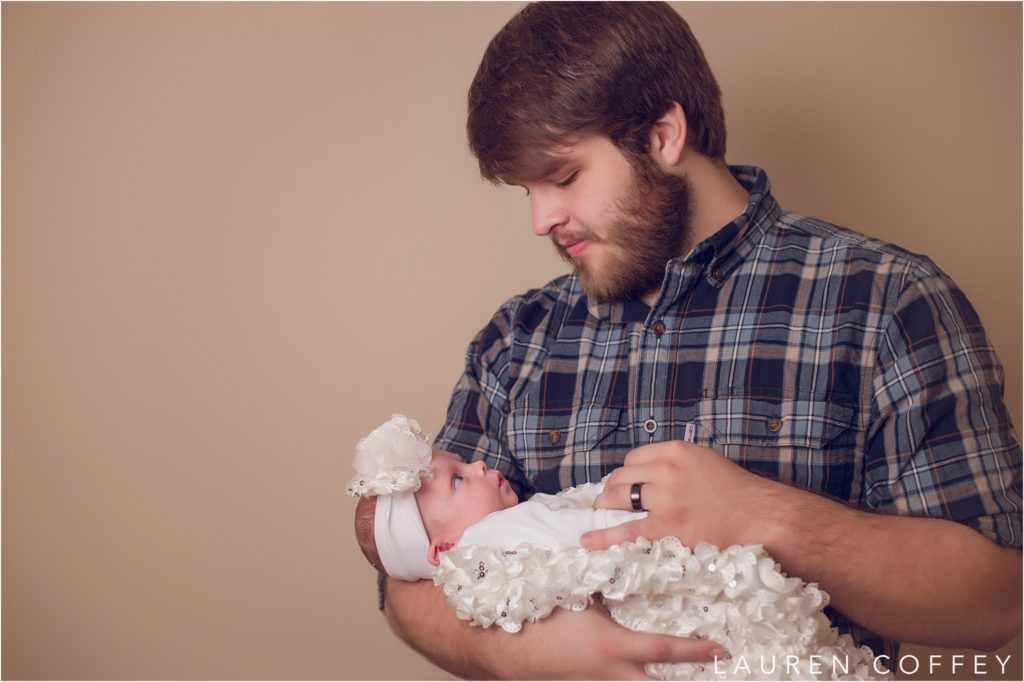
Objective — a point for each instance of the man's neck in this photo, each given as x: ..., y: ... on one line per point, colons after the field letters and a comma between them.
x: 716, y: 198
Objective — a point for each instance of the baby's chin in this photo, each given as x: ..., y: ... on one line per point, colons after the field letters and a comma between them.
x: 505, y: 502
x: 508, y: 497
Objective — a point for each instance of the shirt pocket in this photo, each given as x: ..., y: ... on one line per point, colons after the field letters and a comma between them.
x: 810, y: 442
x: 560, y: 443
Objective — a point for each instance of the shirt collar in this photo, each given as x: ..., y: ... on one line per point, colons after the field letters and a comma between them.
x: 733, y: 243
x: 719, y: 255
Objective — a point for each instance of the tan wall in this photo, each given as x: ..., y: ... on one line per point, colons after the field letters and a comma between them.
x: 236, y: 237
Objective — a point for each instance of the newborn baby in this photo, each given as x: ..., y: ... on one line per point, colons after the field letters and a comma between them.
x: 425, y: 514
x: 457, y: 505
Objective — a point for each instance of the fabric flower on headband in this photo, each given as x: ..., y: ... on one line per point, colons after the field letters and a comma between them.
x: 391, y: 459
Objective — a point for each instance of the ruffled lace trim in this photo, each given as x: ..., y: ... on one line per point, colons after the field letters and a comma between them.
x: 773, y: 624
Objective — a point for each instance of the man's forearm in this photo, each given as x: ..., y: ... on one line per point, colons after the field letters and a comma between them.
x: 928, y: 581
x: 419, y: 615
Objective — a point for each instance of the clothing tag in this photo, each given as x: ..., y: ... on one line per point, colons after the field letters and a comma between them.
x: 691, y: 431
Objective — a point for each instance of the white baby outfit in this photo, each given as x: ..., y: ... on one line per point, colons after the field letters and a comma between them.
x: 548, y: 520
x: 521, y: 563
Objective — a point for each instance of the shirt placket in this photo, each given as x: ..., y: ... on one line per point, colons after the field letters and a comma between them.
x: 654, y: 352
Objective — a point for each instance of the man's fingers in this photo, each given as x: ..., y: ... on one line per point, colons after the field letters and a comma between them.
x: 616, y: 535
x: 628, y: 671
x: 633, y: 473
x: 619, y: 495
x: 651, y: 648
x: 652, y: 452
x: 620, y: 482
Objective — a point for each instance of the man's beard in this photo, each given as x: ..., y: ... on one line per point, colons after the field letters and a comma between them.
x: 654, y: 224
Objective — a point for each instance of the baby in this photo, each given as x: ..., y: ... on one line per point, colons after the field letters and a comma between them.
x: 452, y: 496
x: 404, y: 533
x: 427, y: 514
x: 456, y: 505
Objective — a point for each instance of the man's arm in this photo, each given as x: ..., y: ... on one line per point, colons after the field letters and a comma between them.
x: 419, y: 614
x: 929, y: 581
x: 938, y: 444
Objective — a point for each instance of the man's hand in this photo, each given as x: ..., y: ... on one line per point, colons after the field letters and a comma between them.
x: 882, y: 570
x: 589, y: 645
x: 586, y: 645
x: 691, y: 492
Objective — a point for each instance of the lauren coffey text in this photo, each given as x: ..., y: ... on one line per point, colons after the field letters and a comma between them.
x: 908, y: 664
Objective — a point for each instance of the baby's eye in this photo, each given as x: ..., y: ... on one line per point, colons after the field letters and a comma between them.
x: 456, y: 480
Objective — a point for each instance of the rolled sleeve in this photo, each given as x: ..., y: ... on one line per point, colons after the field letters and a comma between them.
x: 941, y: 443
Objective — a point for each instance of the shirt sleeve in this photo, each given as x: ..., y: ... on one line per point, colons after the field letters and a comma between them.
x: 477, y: 414
x: 940, y: 443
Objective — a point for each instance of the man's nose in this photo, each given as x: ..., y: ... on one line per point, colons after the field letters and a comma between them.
x: 547, y: 212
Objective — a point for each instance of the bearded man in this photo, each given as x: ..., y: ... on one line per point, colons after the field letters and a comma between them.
x: 745, y: 374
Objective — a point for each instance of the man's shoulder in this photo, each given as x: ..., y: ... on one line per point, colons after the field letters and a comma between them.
x: 541, y: 309
x: 561, y: 289
x: 821, y: 238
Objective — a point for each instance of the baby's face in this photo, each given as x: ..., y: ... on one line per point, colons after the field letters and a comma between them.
x: 460, y: 494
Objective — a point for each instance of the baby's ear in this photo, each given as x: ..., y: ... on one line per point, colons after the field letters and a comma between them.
x: 436, y: 547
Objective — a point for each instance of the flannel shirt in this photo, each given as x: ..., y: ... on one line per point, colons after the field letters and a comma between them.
x: 802, y: 351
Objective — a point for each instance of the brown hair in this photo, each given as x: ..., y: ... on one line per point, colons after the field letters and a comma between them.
x: 560, y: 70
x: 366, y: 512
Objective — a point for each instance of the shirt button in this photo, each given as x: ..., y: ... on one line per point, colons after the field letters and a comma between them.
x: 716, y: 273
x: 554, y: 436
x: 650, y: 426
x: 774, y: 425
x: 658, y: 327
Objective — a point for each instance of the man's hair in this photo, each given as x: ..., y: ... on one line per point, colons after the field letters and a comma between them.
x: 560, y: 70
x: 366, y: 512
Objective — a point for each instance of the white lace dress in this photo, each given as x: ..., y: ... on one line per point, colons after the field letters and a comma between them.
x: 521, y: 567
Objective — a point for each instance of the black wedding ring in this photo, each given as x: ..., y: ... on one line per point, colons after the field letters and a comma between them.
x: 634, y: 497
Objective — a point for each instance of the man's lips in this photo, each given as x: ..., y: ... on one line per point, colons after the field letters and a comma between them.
x: 575, y: 247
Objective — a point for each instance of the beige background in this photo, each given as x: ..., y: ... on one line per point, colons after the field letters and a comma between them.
x: 237, y: 237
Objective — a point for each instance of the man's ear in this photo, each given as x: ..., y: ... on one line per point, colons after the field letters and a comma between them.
x: 435, y: 549
x: 668, y: 136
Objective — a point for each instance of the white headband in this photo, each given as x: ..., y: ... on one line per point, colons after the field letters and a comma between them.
x: 401, y: 538
x: 390, y: 463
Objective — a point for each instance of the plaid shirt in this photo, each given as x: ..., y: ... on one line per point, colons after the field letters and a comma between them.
x: 799, y: 350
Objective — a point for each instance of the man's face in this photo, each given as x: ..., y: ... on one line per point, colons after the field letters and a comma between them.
x: 459, y: 495
x: 617, y: 222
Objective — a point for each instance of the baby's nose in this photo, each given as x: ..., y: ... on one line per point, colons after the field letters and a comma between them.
x: 483, y: 466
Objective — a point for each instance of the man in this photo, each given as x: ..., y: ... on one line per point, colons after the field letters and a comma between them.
x: 745, y: 374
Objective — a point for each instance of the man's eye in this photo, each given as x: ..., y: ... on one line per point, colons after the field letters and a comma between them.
x: 456, y: 480
x: 567, y: 181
